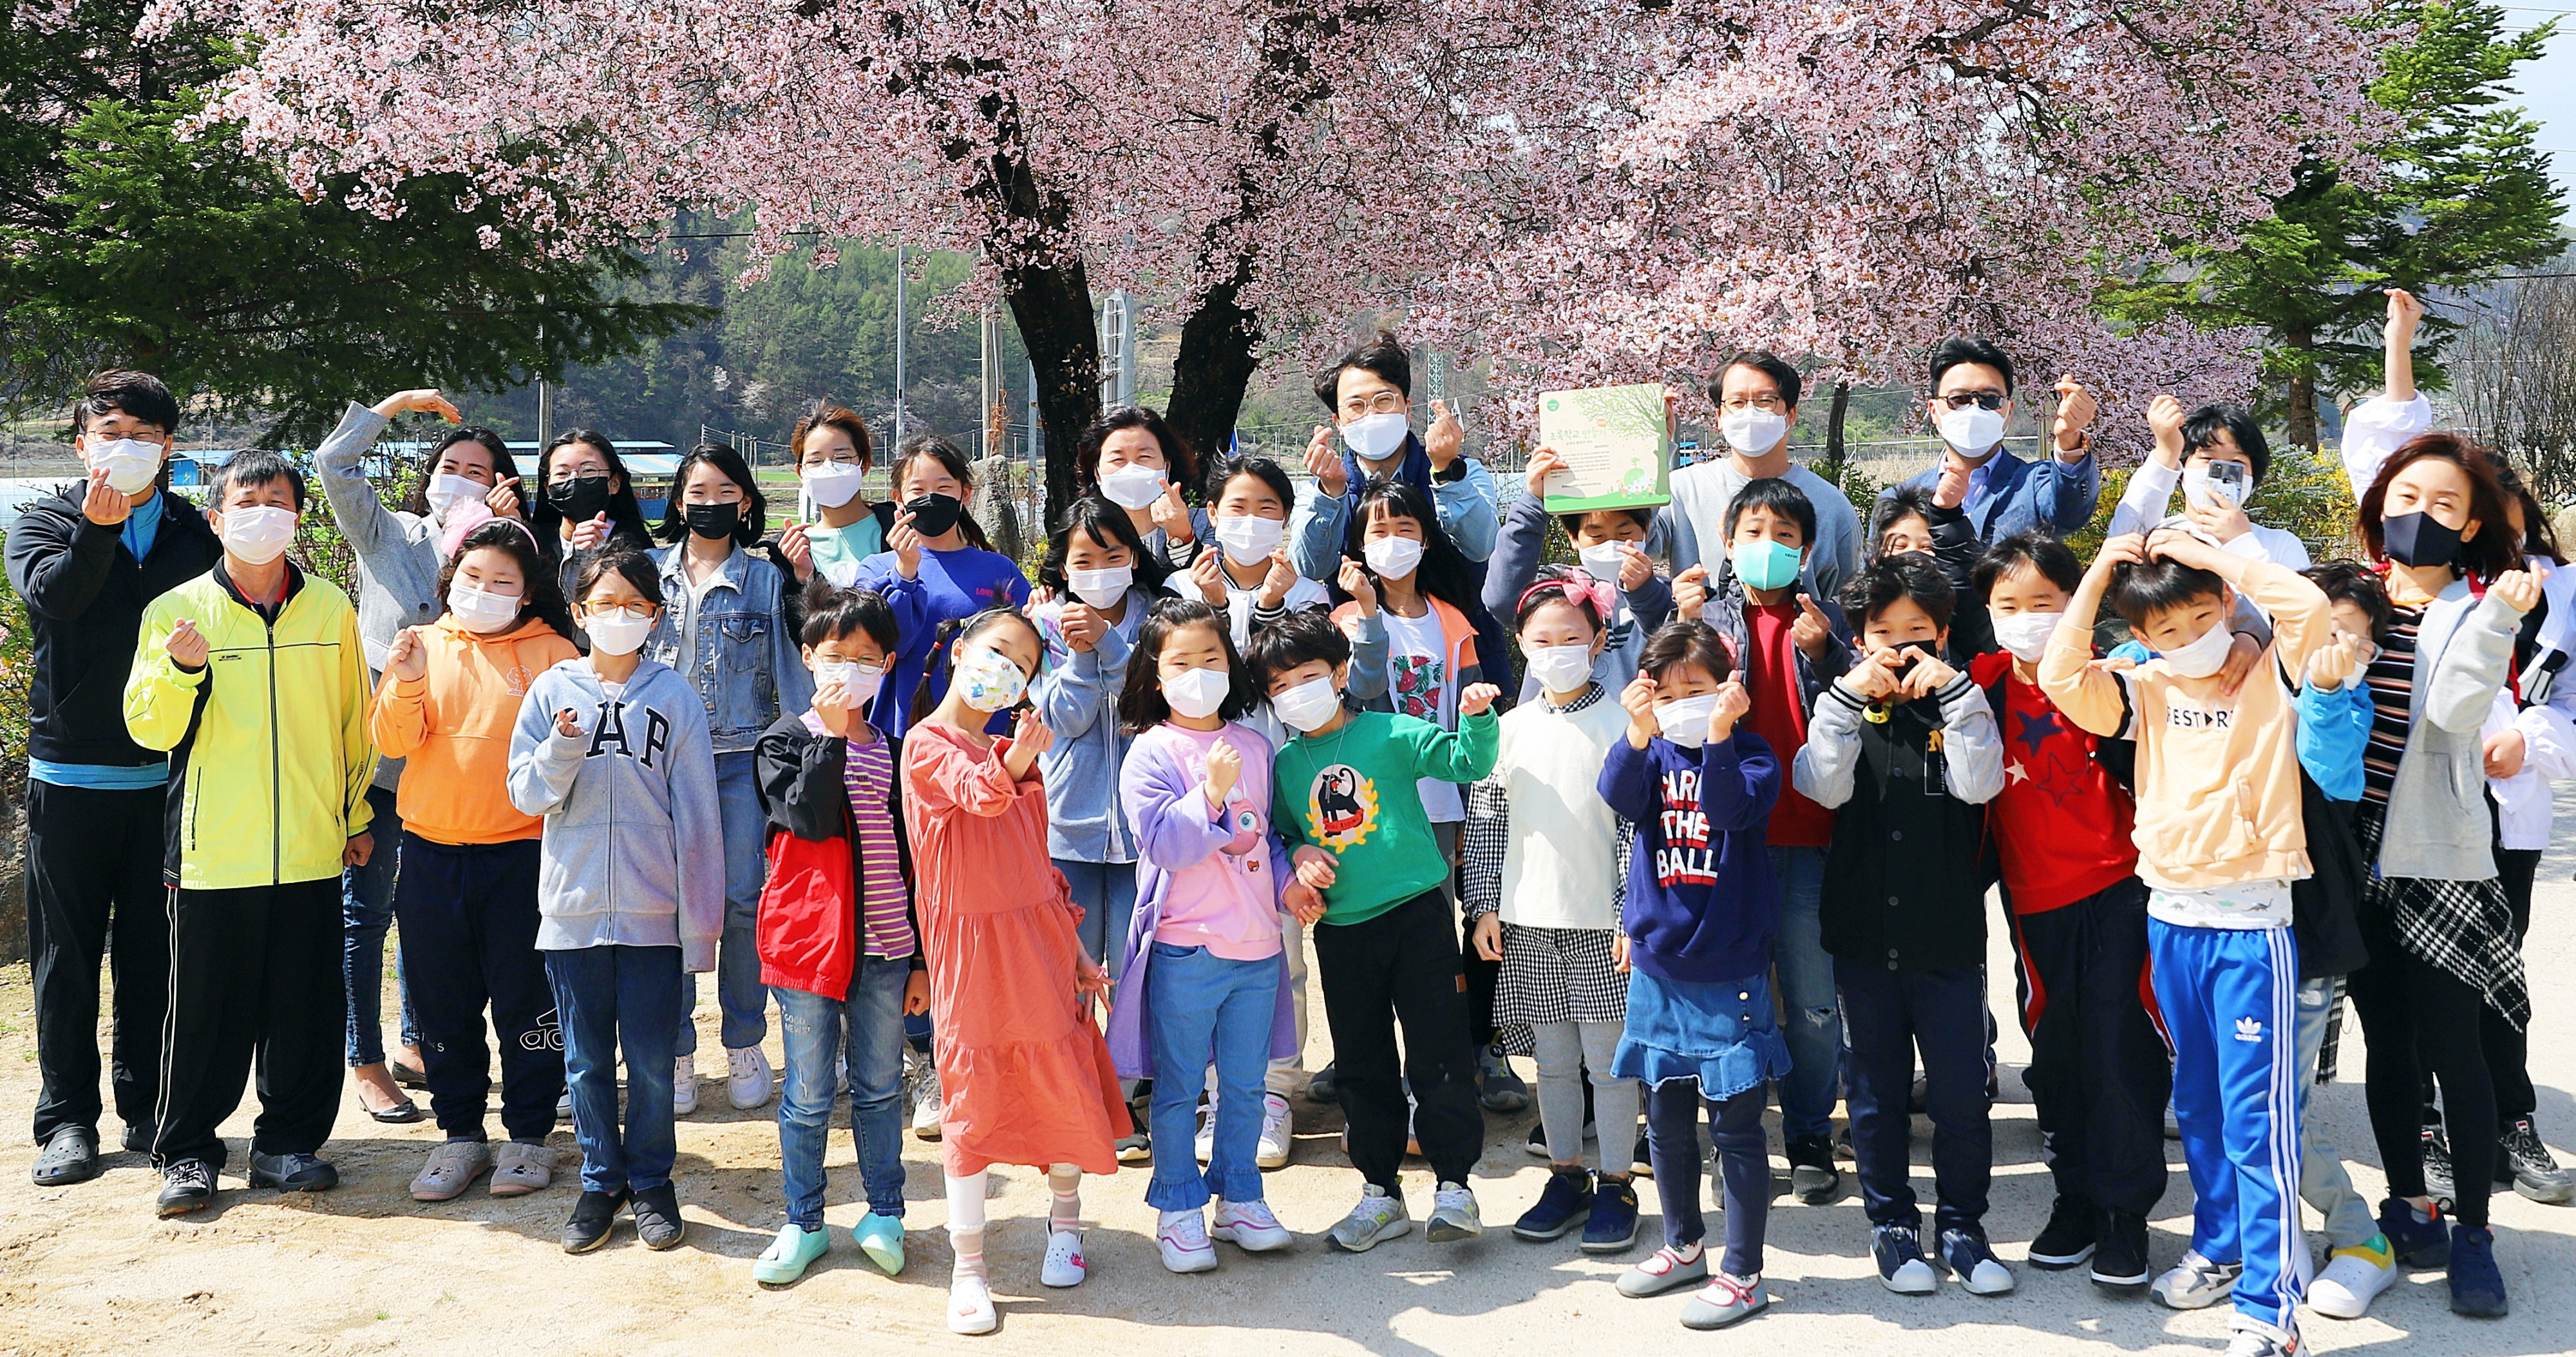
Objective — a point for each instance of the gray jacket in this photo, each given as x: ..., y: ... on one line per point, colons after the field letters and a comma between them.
x: 632, y: 831
x: 1076, y: 693
x: 1972, y: 751
x: 2437, y: 808
x: 397, y: 552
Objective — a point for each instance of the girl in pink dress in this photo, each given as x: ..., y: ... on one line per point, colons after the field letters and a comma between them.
x: 1026, y: 1074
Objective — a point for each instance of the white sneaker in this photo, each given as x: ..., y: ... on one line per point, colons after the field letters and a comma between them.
x: 2196, y: 1283
x: 1184, y: 1240
x: 2253, y: 1338
x: 1064, y: 1265
x: 1453, y: 1215
x: 970, y: 1306
x: 1207, y: 1130
x: 1278, y: 1133
x: 926, y: 1102
x: 563, y: 1106
x: 748, y: 1078
x: 684, y: 1086
x: 1378, y: 1218
x: 2352, y: 1279
x: 1249, y: 1226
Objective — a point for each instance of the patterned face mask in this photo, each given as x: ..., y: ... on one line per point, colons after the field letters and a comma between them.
x: 990, y: 680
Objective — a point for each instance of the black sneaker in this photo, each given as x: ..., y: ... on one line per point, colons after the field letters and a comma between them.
x: 292, y: 1172
x: 592, y: 1218
x: 138, y: 1137
x: 1321, y: 1087
x: 2437, y: 1166
x: 1640, y: 1162
x: 70, y: 1156
x: 2068, y: 1237
x: 186, y: 1186
x: 1843, y: 1151
x: 1499, y: 1087
x: 2120, y: 1250
x: 1538, y: 1137
x: 657, y: 1217
x: 2477, y: 1287
x: 1812, y: 1174
x: 2528, y: 1165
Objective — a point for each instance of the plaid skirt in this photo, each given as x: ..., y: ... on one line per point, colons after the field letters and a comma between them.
x: 1553, y: 975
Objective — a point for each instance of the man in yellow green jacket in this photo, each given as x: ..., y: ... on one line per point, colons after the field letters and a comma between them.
x: 252, y: 678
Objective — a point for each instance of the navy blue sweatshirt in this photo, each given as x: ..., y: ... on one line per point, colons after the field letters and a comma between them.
x: 1702, y: 902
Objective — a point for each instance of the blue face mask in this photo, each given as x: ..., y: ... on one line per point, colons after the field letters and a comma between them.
x: 1766, y: 564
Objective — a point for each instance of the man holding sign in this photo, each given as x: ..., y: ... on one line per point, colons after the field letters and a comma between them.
x: 1756, y: 393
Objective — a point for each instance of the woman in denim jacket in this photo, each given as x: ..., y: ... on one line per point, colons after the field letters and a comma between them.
x: 725, y: 631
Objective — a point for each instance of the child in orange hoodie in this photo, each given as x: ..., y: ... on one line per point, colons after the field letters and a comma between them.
x: 467, y: 898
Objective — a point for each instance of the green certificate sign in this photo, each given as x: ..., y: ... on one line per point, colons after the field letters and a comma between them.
x: 1615, y: 445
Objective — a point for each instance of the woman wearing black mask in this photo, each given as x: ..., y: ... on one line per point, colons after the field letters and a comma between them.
x: 725, y: 628
x: 2433, y: 915
x: 937, y: 568
x: 585, y: 502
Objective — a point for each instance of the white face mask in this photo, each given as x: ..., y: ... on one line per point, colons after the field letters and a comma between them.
x: 2199, y: 489
x: 1393, y: 558
x: 618, y: 634
x: 831, y: 484
x: 1249, y: 539
x: 481, y: 610
x: 1974, y: 431
x: 258, y: 534
x: 1133, y: 486
x: 130, y: 463
x: 1100, y: 588
x: 860, y: 679
x: 445, y: 491
x: 991, y: 680
x: 1308, y: 705
x: 1603, y: 562
x: 1197, y: 693
x: 1685, y: 722
x: 1560, y: 669
x: 2205, y: 656
x: 2026, y: 634
x: 1752, y: 430
x: 1375, y: 438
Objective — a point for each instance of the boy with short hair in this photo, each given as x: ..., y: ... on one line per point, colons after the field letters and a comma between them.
x: 251, y: 675
x: 2062, y: 828
x: 1788, y: 645
x: 1904, y: 748
x: 1387, y: 946
x: 2221, y: 837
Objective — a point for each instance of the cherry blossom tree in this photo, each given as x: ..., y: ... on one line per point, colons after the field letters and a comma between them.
x: 1580, y: 190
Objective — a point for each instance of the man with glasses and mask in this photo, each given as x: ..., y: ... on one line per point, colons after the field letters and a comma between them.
x: 1971, y: 406
x: 1756, y: 394
x: 87, y: 559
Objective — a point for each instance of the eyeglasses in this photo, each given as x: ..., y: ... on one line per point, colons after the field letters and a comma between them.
x: 638, y: 611
x: 1983, y: 400
x: 1383, y: 403
x: 1765, y: 401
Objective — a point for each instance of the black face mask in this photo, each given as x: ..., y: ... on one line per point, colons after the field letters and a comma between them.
x: 714, y: 521
x: 582, y: 498
x: 2419, y: 539
x: 934, y: 515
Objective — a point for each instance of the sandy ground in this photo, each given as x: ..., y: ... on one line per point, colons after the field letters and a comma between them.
x: 365, y: 1269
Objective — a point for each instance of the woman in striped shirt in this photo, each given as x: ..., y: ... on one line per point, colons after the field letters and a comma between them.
x: 838, y: 942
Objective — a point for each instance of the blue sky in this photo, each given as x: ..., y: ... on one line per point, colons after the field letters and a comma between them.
x: 2548, y: 86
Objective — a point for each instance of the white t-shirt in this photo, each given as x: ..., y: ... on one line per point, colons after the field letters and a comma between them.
x: 2246, y: 904
x: 1419, y: 684
x: 1305, y: 593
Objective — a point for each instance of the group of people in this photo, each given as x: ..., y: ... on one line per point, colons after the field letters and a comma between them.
x: 1051, y: 853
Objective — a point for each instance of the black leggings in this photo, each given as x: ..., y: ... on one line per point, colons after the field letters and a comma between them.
x: 2508, y: 1048
x: 2416, y: 1018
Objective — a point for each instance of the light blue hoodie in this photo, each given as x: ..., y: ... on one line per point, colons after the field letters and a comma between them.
x: 633, y: 835
x: 1076, y: 694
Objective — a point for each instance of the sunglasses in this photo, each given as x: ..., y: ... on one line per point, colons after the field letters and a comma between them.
x: 1983, y: 400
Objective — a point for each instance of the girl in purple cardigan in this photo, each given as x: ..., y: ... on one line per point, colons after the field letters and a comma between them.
x: 1206, y: 974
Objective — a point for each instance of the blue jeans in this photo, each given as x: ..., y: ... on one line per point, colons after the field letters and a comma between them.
x: 1811, y: 1018
x: 739, y: 993
x: 1107, y: 893
x: 1204, y: 1007
x: 870, y: 1022
x: 366, y: 910
x: 606, y: 998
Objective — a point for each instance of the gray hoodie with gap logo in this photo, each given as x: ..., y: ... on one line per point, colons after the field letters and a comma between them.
x: 634, y: 846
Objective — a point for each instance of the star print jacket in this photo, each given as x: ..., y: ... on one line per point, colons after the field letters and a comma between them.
x: 2062, y: 827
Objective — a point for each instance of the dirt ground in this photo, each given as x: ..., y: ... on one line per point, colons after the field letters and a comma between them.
x: 365, y: 1269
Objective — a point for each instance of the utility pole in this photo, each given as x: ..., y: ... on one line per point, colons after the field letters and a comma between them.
x: 1037, y: 430
x: 989, y: 368
x: 545, y: 389
x: 899, y: 340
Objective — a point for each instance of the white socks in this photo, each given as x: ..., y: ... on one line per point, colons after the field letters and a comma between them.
x: 1064, y: 1188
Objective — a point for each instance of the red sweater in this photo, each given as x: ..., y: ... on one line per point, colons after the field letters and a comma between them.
x: 2062, y: 825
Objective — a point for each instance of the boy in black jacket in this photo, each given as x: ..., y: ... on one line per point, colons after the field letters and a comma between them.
x: 1905, y: 748
x: 87, y: 560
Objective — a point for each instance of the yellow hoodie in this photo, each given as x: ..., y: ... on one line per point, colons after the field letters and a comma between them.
x: 269, y: 760
x: 454, y: 726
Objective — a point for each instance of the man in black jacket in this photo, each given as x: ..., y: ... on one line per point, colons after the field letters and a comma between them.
x: 87, y: 560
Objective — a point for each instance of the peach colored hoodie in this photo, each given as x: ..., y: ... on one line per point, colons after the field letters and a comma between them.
x: 454, y: 726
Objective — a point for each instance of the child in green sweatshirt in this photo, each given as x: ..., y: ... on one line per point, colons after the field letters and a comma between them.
x: 1344, y: 803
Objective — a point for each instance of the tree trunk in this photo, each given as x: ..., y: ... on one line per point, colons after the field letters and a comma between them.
x: 1835, y: 456
x: 1052, y: 307
x: 1220, y: 347
x: 2302, y: 414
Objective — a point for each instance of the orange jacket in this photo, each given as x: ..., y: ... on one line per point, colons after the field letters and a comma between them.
x: 454, y: 726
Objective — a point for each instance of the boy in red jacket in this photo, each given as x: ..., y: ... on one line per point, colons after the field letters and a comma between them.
x: 838, y: 942
x: 2062, y: 837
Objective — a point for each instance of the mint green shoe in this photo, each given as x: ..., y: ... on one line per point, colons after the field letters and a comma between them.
x: 881, y: 1239
x: 790, y: 1254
